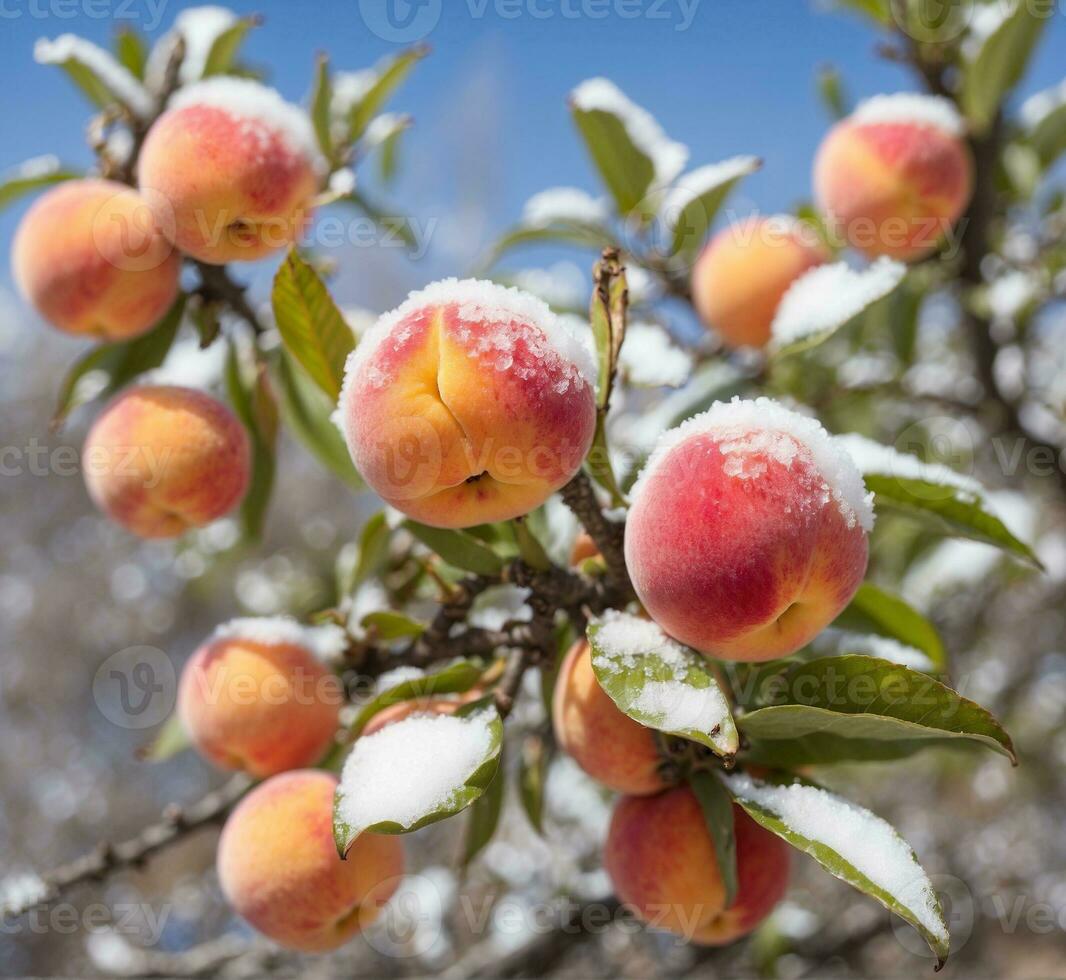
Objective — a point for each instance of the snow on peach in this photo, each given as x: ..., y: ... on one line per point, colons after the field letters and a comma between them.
x: 828, y: 296
x: 649, y: 357
x: 861, y: 838
x: 261, y: 109
x: 602, y: 95
x: 910, y: 107
x: 326, y: 642
x: 411, y: 768
x: 199, y: 28
x: 118, y: 79
x: 876, y: 458
x: 703, y: 180
x: 749, y: 432
x: 562, y: 204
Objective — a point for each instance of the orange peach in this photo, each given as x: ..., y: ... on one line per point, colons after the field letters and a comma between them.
x: 469, y: 404
x: 740, y: 277
x: 895, y: 175
x: 91, y: 259
x: 405, y: 709
x: 256, y: 697
x: 609, y: 745
x: 661, y: 859
x: 747, y: 533
x: 230, y: 170
x: 161, y: 459
x: 279, y: 868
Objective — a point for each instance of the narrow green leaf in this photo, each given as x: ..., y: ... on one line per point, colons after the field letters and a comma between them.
x: 169, y: 741
x: 458, y: 548
x: 564, y: 232
x: 532, y: 776
x: 32, y: 176
x: 390, y: 74
x: 321, y: 97
x: 221, y: 59
x: 390, y: 625
x: 311, y: 327
x: 97, y: 73
x: 131, y: 51
x: 530, y: 549
x: 1046, y: 132
x: 484, y: 817
x: 717, y: 806
x: 456, y: 678
x: 873, y: 610
x: 667, y: 686
x: 599, y: 465
x: 831, y: 90
x: 369, y: 554
x: 852, y: 844
x: 691, y: 206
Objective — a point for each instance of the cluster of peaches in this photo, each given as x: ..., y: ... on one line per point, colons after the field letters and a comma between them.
x: 472, y: 403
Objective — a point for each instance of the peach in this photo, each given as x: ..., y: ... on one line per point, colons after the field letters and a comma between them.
x: 895, y: 175
x: 747, y: 532
x: 741, y: 275
x: 91, y: 259
x: 279, y: 868
x: 661, y: 859
x: 470, y: 403
x: 161, y: 459
x: 230, y: 170
x: 256, y: 697
x: 405, y: 709
x: 609, y: 745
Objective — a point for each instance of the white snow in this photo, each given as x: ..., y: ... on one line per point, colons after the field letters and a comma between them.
x: 835, y: 641
x: 118, y: 79
x: 489, y: 308
x: 42, y: 166
x: 397, y: 676
x: 649, y: 357
x: 1035, y: 109
x: 562, y: 285
x: 498, y: 605
x: 860, y: 837
x: 342, y: 181
x: 910, y: 107
x: 748, y: 429
x: 411, y: 768
x: 258, y: 106
x: 702, y: 180
x: 876, y: 458
x: 380, y: 128
x: 828, y: 296
x: 349, y: 89
x: 1012, y: 292
x: 625, y: 639
x: 681, y: 707
x: 602, y: 95
x: 22, y: 888
x: 326, y: 642
x: 199, y: 27
x: 562, y: 204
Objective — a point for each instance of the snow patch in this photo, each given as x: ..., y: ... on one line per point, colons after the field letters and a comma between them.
x: 875, y: 458
x: 563, y: 204
x: 326, y: 642
x: 199, y: 28
x: 910, y: 107
x: 118, y: 79
x: 649, y: 357
x: 1037, y: 108
x: 702, y: 180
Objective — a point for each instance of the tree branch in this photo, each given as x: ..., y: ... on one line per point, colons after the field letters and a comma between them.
x: 608, y: 536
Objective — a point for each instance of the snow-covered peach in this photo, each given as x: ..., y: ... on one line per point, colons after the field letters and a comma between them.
x: 468, y: 404
x: 748, y: 531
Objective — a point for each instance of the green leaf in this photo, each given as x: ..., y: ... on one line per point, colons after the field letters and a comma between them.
x: 169, y: 741
x: 484, y: 817
x: 82, y: 61
x: 458, y: 548
x: 307, y: 412
x: 872, y: 610
x: 221, y: 59
x: 119, y: 363
x: 390, y: 74
x: 693, y: 203
x: 878, y: 10
x: 355, y: 780
x: 869, y: 699
x: 599, y: 463
x: 457, y: 678
x: 321, y: 96
x: 663, y: 685
x: 33, y: 176
x: 607, y: 317
x: 1000, y: 63
x: 529, y: 548
x: 390, y: 625
x: 253, y: 401
x: 131, y: 51
x: 311, y: 327
x: 532, y: 776
x: 831, y: 90
x: 852, y: 844
x: 205, y: 317
x: 387, y: 145
x: 370, y: 553
x: 717, y: 806
x: 564, y: 232
x: 1046, y: 133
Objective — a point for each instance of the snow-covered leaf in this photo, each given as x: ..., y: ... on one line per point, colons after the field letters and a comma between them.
x: 33, y: 175
x: 483, y: 817
x: 690, y: 206
x: 659, y: 682
x: 171, y: 740
x: 1043, y: 117
x: 650, y: 359
x: 96, y: 72
x: 455, y: 678
x: 717, y: 807
x: 359, y: 96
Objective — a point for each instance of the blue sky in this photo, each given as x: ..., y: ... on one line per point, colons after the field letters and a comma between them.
x: 490, y: 102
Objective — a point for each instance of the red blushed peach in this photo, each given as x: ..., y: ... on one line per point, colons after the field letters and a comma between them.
x: 895, y: 175
x: 255, y: 697
x: 610, y: 746
x: 279, y: 868
x: 161, y: 459
x: 740, y: 277
x: 661, y: 859
x: 471, y: 403
x: 747, y: 532
x: 230, y: 170
x: 405, y: 709
x: 91, y: 259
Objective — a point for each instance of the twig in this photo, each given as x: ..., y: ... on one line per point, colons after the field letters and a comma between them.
x: 608, y: 536
x: 216, y: 284
x: 176, y: 823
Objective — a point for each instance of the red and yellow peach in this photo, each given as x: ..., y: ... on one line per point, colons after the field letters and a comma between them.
x: 469, y: 404
x: 92, y: 260
x: 161, y: 459
x: 747, y: 533
x: 279, y: 868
